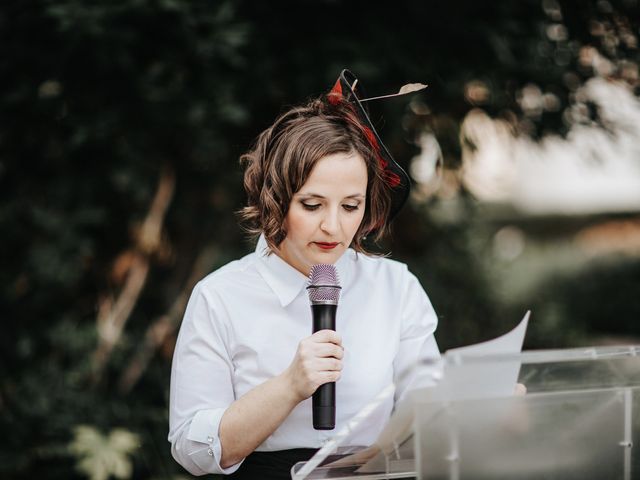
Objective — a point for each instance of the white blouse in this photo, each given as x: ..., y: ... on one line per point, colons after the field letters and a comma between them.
x: 242, y: 327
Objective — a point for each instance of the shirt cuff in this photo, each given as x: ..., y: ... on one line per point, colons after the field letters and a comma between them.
x: 204, y: 429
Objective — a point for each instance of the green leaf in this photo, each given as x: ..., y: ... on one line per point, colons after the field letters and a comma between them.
x: 101, y: 456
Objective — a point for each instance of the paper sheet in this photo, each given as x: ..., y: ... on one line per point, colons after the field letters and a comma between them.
x: 488, y: 378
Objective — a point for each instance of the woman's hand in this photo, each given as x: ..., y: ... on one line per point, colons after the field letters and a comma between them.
x: 244, y: 425
x: 318, y: 360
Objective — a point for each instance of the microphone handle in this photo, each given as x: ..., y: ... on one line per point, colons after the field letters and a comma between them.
x: 324, y: 398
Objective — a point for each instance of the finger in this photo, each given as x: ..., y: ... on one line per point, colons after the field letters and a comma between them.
x: 329, y: 350
x: 329, y: 364
x: 324, y: 336
x: 520, y: 389
x: 309, y: 349
x: 327, y: 377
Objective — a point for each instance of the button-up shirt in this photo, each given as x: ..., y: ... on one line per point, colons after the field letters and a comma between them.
x: 243, y: 324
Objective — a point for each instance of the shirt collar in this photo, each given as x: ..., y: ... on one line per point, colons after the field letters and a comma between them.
x: 287, y: 282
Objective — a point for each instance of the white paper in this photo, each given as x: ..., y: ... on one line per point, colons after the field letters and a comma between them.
x: 492, y: 376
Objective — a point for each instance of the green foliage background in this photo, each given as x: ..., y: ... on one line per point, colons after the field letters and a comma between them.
x: 98, y: 99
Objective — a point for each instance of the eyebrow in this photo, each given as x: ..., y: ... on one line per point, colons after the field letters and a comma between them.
x: 316, y: 195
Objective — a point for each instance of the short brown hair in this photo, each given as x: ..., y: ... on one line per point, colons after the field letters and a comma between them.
x: 284, y: 155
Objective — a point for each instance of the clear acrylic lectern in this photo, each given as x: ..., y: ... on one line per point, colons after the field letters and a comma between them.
x: 579, y: 419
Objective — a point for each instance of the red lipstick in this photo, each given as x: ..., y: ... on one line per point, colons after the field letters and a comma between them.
x: 326, y: 245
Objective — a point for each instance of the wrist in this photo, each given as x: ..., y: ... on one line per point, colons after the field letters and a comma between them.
x: 288, y: 387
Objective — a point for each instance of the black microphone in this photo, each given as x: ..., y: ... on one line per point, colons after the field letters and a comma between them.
x: 324, y: 293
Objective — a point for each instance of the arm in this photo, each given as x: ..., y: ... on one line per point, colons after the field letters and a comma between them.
x: 201, y: 386
x: 252, y: 418
x: 417, y: 341
x: 211, y: 431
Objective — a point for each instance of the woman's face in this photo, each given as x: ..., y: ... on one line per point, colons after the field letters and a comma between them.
x: 324, y: 215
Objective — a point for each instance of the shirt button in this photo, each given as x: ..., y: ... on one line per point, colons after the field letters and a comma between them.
x: 210, y: 452
x: 210, y: 439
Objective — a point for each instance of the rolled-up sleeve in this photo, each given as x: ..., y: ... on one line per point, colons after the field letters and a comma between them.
x: 417, y: 340
x: 201, y: 385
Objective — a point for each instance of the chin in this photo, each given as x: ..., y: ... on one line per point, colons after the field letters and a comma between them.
x: 327, y: 257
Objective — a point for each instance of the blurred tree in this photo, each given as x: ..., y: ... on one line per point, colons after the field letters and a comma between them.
x: 121, y: 127
x: 113, y: 114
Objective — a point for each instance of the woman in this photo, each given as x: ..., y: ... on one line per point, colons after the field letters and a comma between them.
x: 318, y: 182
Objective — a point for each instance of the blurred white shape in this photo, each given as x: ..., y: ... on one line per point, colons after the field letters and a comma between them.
x: 424, y: 167
x: 590, y: 57
x: 557, y: 32
x: 591, y: 170
x: 531, y: 100
x: 476, y: 92
x: 488, y: 167
x: 551, y: 102
x: 508, y: 243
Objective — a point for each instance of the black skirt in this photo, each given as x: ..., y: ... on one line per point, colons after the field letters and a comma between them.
x: 271, y: 465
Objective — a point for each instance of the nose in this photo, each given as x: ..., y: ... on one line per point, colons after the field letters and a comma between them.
x: 330, y: 223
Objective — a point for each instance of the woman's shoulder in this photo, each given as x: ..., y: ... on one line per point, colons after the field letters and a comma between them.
x: 239, y: 272
x: 380, y: 269
x: 379, y: 263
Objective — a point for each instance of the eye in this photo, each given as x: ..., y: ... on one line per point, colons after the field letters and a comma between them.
x: 350, y: 208
x: 310, y: 206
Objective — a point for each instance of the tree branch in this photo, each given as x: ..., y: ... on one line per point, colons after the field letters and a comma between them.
x: 114, y: 313
x: 165, y: 325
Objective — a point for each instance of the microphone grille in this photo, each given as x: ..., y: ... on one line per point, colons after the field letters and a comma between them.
x: 324, y: 285
x: 324, y: 274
